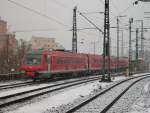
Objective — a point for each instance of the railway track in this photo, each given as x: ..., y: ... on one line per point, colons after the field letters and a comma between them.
x: 26, y: 95
x: 103, y: 101
x: 16, y: 85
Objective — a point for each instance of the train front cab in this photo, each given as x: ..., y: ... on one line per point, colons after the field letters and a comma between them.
x: 44, y: 72
x: 36, y: 66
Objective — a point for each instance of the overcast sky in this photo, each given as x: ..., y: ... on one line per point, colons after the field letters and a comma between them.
x: 59, y: 21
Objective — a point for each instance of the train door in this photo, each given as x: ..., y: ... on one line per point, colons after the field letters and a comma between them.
x: 47, y: 62
x: 88, y: 63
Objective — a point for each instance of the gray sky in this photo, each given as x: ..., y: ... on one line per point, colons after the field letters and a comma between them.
x: 21, y: 19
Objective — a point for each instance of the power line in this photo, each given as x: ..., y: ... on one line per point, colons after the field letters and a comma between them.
x: 104, y: 4
x: 88, y: 33
x: 65, y: 6
x: 117, y: 9
x: 98, y: 12
x: 114, y: 7
x: 34, y: 30
x: 61, y: 4
x: 130, y: 6
x: 90, y: 22
x: 37, y: 12
x: 125, y: 10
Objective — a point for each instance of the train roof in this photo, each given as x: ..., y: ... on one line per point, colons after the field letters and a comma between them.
x: 65, y: 52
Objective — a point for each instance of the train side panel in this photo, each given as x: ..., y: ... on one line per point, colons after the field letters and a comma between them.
x: 65, y: 62
x: 95, y: 63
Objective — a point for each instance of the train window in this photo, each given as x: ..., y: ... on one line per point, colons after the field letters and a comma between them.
x: 59, y: 61
x: 69, y: 61
x: 97, y: 61
x: 33, y: 59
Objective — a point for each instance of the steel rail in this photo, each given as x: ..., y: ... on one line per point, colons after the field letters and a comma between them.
x: 120, y: 95
x: 80, y: 105
x: 16, y: 85
x: 4, y: 101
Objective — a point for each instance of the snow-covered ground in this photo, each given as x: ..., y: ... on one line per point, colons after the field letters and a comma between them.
x: 142, y: 105
x: 64, y: 98
x: 140, y: 74
x: 34, y: 86
x: 59, y: 99
x: 13, y: 82
x: 21, y: 89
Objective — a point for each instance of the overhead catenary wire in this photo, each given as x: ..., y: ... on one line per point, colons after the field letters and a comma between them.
x: 104, y: 5
x: 88, y: 33
x: 60, y: 4
x: 117, y: 9
x: 91, y: 22
x: 36, y: 30
x: 37, y: 12
x: 79, y: 30
x: 114, y: 5
x: 65, y: 6
x: 125, y: 10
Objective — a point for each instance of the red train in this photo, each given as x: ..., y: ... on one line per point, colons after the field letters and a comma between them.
x: 49, y: 64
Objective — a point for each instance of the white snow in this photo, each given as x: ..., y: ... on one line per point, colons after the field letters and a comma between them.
x: 13, y: 82
x: 140, y: 107
x: 143, y: 103
x: 62, y: 98
x: 119, y: 78
x: 140, y: 74
x: 26, y: 88
x: 146, y: 87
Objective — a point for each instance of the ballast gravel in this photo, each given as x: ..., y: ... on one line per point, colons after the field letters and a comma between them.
x: 126, y: 102
x: 98, y: 104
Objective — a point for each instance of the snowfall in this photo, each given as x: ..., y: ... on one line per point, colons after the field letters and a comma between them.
x: 71, y: 95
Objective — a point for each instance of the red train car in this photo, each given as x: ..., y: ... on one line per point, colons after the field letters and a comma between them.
x: 46, y: 64
x: 49, y: 64
x: 95, y: 63
x: 123, y: 63
x: 68, y: 62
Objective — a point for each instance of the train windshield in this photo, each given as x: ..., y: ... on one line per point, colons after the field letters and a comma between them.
x: 33, y: 59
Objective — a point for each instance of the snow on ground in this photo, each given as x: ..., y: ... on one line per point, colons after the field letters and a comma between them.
x: 146, y: 87
x: 119, y: 78
x: 13, y: 82
x: 63, y: 98
x: 142, y: 105
x: 60, y: 99
x: 140, y: 74
x: 21, y: 89
x: 26, y: 88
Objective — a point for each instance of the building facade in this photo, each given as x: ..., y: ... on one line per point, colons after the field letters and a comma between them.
x: 3, y: 27
x: 7, y: 40
x: 44, y: 43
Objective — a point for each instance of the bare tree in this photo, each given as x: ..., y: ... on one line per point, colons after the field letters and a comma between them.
x: 12, y: 58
